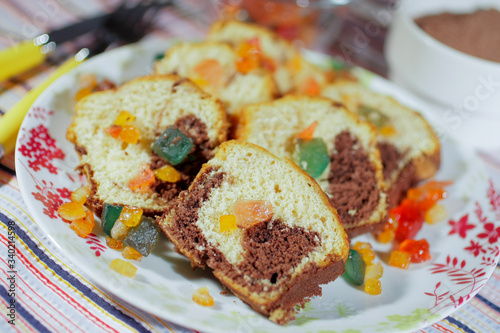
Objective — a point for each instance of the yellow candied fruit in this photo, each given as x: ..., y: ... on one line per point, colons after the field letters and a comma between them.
x: 124, y: 118
x: 71, y: 211
x: 200, y: 82
x: 294, y: 64
x: 131, y: 253
x: 252, y: 212
x: 88, y: 81
x: 123, y: 267
x: 82, y: 93
x: 362, y: 246
x: 130, y: 216
x: 113, y: 243
x: 435, y: 214
x: 168, y: 173
x: 368, y: 255
x: 387, y: 131
x: 373, y: 287
x: 130, y: 134
x: 386, y: 236
x: 227, y: 223
x: 202, y: 297
x: 81, y: 194
x: 375, y: 271
x: 400, y: 259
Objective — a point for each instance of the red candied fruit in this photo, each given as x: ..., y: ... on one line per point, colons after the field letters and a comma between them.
x: 410, y: 219
x: 418, y: 249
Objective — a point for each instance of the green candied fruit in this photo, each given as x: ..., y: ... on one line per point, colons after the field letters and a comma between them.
x: 110, y: 214
x: 172, y: 145
x: 312, y: 156
x: 373, y: 116
x: 159, y: 56
x: 143, y: 237
x: 355, y: 268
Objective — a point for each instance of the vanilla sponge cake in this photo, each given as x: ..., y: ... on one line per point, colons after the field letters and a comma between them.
x: 353, y: 178
x: 157, y: 102
x: 291, y: 71
x: 212, y: 66
x: 409, y: 148
x: 274, y: 262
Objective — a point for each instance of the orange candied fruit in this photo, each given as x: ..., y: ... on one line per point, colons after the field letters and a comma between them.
x: 417, y: 249
x: 114, y: 131
x: 247, y: 64
x: 268, y: 63
x: 249, y: 56
x: 167, y: 173
x: 251, y: 212
x: 71, y: 211
x: 130, y: 216
x: 83, y: 226
x: 82, y: 93
x: 80, y: 195
x: 400, y: 259
x: 202, y: 297
x: 386, y: 236
x: 308, y: 133
x: 143, y: 180
x: 124, y: 118
x: 130, y: 134
x: 123, y: 267
x: 227, y: 223
x: 388, y: 131
x: 373, y: 287
x: 114, y: 243
x: 210, y: 71
x: 131, y: 253
x: 311, y: 86
x: 294, y: 64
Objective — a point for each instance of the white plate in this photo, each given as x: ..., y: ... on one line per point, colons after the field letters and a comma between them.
x: 464, y: 249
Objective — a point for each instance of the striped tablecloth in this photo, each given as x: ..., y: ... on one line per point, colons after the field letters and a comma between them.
x: 52, y: 295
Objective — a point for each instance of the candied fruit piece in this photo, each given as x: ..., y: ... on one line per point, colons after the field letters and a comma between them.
x: 251, y: 212
x: 82, y: 93
x: 435, y: 214
x: 83, y: 226
x: 130, y: 134
x: 119, y: 231
x: 386, y: 236
x: 373, y: 287
x: 211, y: 71
x: 71, y: 211
x: 227, y: 223
x: 418, y: 249
x: 294, y: 64
x: 114, y: 131
x: 110, y: 213
x: 202, y: 297
x: 87, y: 80
x: 355, y: 268
x: 375, y: 271
x: 400, y: 259
x: 173, y: 146
x: 124, y: 118
x: 81, y: 194
x: 123, y: 267
x: 249, y: 55
x: 143, y: 237
x: 368, y: 255
x: 310, y: 87
x: 167, y: 173
x: 113, y: 243
x: 308, y: 133
x: 374, y: 116
x: 247, y: 64
x: 388, y: 131
x: 130, y: 216
x: 131, y: 253
x: 268, y: 63
x: 362, y: 246
x: 410, y: 219
x: 144, y: 179
x: 312, y: 156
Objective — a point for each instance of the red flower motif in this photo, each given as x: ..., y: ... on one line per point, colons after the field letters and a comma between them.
x: 64, y: 192
x: 40, y: 149
x: 461, y: 226
x: 491, y: 233
x: 475, y: 248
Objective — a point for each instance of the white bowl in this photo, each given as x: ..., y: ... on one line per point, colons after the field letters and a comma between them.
x: 466, y: 86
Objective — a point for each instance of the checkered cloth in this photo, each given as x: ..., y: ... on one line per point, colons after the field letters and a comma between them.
x: 55, y: 296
